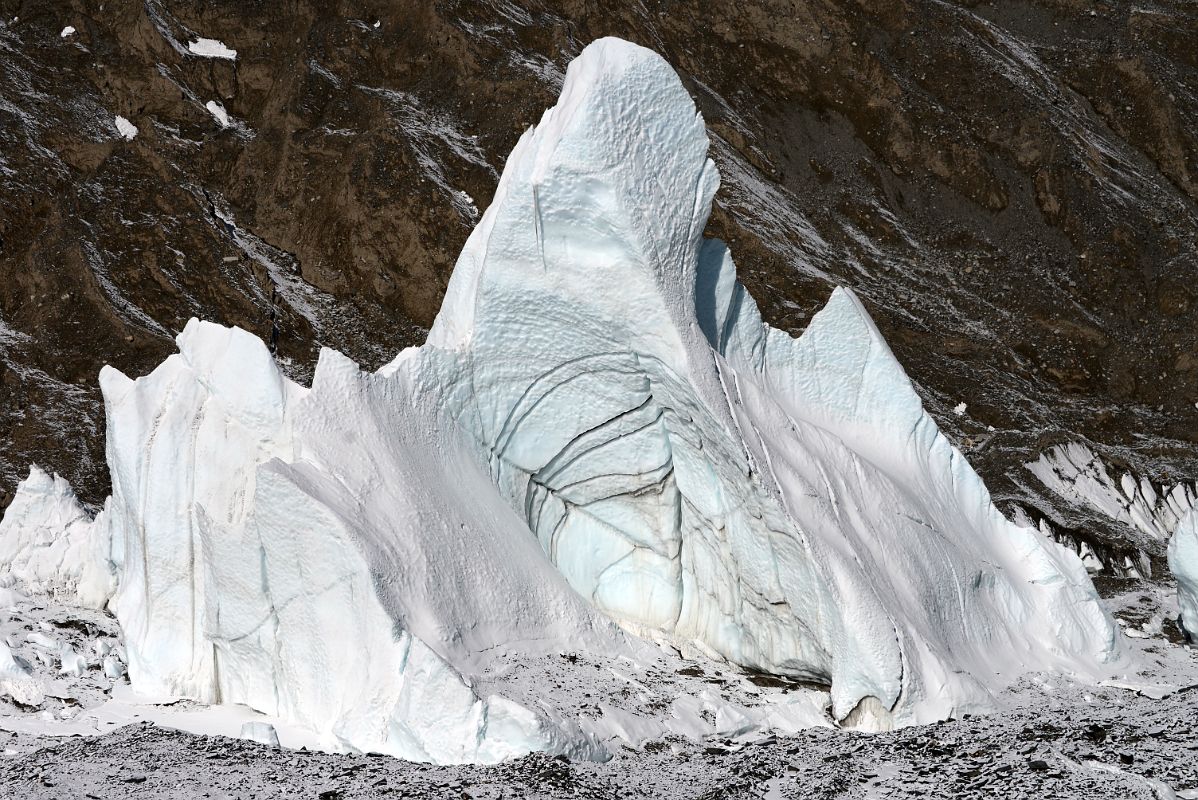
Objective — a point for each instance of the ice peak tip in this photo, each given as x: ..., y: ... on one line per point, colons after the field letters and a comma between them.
x: 37, y: 474
x: 844, y: 301
x: 609, y: 57
x: 617, y: 50
x: 41, y: 481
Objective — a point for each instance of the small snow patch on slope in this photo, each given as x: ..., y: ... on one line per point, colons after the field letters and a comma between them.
x: 67, y: 31
x: 218, y: 111
x: 125, y: 128
x: 211, y: 48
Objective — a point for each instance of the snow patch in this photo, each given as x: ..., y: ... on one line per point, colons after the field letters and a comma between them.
x: 125, y: 128
x: 49, y: 660
x: 67, y: 31
x: 211, y: 48
x: 218, y: 111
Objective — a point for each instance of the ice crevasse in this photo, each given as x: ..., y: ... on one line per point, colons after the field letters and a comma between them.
x: 599, y: 428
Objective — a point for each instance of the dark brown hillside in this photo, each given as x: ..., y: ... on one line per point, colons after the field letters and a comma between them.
x: 1011, y: 187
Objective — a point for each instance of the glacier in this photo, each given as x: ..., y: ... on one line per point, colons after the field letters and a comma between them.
x: 47, y: 544
x: 1170, y: 514
x: 600, y: 446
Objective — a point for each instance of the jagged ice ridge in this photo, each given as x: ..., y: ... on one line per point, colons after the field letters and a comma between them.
x: 1077, y: 474
x: 600, y: 427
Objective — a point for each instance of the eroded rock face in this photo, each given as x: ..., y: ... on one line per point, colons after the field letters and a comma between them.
x: 1009, y: 189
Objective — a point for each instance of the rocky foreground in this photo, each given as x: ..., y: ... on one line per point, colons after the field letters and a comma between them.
x: 1055, y: 738
x: 1065, y: 743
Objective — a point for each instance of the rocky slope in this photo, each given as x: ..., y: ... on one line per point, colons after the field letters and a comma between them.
x: 1011, y: 188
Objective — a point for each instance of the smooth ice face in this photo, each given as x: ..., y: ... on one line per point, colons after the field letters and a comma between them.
x: 599, y: 420
x: 324, y: 556
x: 1183, y: 563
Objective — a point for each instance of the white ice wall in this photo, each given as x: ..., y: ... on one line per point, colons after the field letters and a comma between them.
x: 599, y: 420
x: 787, y: 504
x: 320, y: 555
x: 1077, y: 474
x: 1183, y: 563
